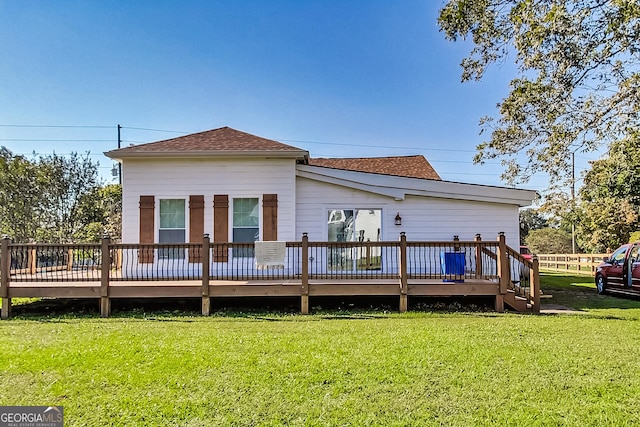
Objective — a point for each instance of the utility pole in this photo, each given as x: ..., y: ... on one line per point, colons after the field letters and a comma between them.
x: 119, y: 163
x: 573, y: 202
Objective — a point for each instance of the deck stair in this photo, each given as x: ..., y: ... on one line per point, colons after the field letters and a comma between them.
x: 517, y: 302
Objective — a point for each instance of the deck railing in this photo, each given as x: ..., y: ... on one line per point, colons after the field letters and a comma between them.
x: 55, y: 263
x: 452, y: 261
x: 524, y: 280
x: 449, y: 261
x: 304, y: 261
x: 353, y: 260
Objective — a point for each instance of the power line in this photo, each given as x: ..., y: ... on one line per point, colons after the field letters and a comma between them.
x: 53, y: 140
x: 56, y: 126
x: 154, y: 130
x: 60, y: 154
x: 376, y: 146
x: 183, y: 132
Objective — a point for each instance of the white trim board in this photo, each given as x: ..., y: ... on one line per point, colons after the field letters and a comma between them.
x: 398, y: 188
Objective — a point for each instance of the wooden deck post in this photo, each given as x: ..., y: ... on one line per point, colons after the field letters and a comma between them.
x: 119, y: 259
x: 5, y: 276
x: 304, y: 298
x: 503, y: 271
x: 402, y: 262
x: 105, y: 267
x: 479, y: 272
x: 534, y: 289
x: 33, y: 260
x: 206, y: 299
x: 499, y: 304
x: 70, y: 259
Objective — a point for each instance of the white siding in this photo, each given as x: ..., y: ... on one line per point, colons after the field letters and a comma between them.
x: 179, y: 178
x: 423, y: 218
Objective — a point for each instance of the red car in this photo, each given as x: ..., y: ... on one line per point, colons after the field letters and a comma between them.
x: 621, y: 270
x: 525, y: 252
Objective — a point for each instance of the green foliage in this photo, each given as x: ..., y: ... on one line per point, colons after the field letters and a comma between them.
x: 70, y: 179
x: 55, y: 199
x: 610, y: 198
x: 617, y: 175
x: 606, y: 223
x: 530, y: 219
x: 101, y: 209
x: 578, y: 77
x: 20, y: 196
x: 549, y: 241
x: 634, y: 237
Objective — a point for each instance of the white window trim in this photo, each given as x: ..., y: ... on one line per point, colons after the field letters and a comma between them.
x: 230, y: 214
x: 157, y: 216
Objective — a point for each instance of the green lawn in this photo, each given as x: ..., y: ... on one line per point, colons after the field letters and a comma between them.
x: 348, y: 368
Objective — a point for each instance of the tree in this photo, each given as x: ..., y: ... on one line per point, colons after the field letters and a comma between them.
x: 20, y: 196
x: 606, y: 224
x: 70, y: 179
x: 48, y: 199
x: 549, y: 241
x: 101, y: 210
x: 610, y: 197
x: 578, y: 79
x: 530, y: 219
x: 616, y: 175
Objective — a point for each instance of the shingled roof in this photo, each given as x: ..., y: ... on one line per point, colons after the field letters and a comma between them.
x: 223, y: 141
x: 226, y: 141
x: 405, y: 166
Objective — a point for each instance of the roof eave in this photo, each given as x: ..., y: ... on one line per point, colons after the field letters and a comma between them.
x: 392, y: 185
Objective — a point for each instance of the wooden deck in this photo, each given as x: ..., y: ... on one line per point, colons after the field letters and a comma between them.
x: 277, y: 288
x: 413, y: 270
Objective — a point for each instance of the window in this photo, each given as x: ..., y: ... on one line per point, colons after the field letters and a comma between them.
x: 354, y: 225
x: 246, y: 225
x: 172, y: 227
x: 619, y: 255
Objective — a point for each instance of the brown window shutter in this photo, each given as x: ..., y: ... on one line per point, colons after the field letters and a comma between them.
x: 220, y: 227
x: 270, y: 217
x: 147, y: 229
x: 196, y: 226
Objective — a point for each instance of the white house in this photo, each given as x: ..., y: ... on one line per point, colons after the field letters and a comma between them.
x: 239, y: 187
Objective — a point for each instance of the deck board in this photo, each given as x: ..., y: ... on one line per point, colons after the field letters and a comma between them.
x: 360, y: 287
x: 228, y: 288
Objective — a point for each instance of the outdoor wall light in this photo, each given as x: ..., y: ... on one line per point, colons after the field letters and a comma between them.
x: 398, y: 219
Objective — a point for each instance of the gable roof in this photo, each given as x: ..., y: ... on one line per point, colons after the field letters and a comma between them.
x: 406, y: 166
x: 223, y: 141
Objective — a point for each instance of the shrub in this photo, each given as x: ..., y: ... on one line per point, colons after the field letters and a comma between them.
x: 549, y: 241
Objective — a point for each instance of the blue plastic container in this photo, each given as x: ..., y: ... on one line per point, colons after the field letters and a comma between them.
x: 452, y: 264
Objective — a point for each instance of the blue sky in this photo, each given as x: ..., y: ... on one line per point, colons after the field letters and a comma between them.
x: 340, y: 79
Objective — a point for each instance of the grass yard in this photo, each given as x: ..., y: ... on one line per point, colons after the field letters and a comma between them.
x: 334, y: 368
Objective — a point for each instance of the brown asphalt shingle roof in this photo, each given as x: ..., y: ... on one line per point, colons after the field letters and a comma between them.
x: 405, y: 166
x: 213, y: 141
x: 226, y: 140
